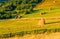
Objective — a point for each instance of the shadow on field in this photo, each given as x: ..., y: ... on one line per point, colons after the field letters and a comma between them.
x: 53, y: 22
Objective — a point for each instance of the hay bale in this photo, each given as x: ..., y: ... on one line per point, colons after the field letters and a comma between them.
x: 41, y: 22
x: 42, y: 13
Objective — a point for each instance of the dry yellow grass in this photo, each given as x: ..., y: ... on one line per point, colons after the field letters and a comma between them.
x: 48, y: 4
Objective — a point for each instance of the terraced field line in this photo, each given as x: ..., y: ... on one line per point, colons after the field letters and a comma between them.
x: 36, y: 18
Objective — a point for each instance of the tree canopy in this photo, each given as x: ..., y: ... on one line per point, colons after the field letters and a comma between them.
x: 16, y: 8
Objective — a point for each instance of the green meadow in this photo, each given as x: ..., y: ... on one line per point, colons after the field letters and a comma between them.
x: 18, y: 25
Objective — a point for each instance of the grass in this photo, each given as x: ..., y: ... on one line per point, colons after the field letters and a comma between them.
x: 53, y: 12
x: 48, y: 4
x: 17, y: 25
x: 13, y: 25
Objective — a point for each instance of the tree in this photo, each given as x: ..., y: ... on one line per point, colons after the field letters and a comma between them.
x: 17, y: 8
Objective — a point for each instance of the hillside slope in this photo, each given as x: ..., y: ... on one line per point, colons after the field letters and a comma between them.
x: 48, y: 4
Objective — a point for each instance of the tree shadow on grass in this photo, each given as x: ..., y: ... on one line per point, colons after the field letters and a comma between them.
x: 53, y: 22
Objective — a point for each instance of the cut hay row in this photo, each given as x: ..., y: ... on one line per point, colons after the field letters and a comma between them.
x: 22, y: 33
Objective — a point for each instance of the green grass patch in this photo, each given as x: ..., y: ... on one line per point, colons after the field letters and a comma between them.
x: 50, y: 12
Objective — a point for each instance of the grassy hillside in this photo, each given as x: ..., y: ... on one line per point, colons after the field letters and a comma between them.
x: 20, y: 25
x: 50, y: 10
x: 48, y: 4
x: 48, y: 13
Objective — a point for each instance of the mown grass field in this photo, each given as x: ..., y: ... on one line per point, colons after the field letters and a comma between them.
x: 48, y: 13
x: 19, y: 25
x: 50, y: 10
